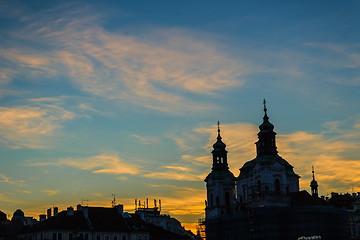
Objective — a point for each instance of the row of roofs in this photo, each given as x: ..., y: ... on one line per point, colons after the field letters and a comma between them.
x: 89, y: 223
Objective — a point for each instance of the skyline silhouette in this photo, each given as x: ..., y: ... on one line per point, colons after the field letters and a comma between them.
x: 123, y: 98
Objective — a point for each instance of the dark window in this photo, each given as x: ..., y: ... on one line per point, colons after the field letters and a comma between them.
x: 217, y: 202
x: 244, y: 192
x: 86, y: 236
x: 277, y: 186
x: 124, y: 238
x: 211, y: 200
x: 227, y: 199
x: 106, y: 237
x: 59, y: 236
x: 70, y: 236
x: 54, y: 236
x: 115, y: 237
x: 98, y: 237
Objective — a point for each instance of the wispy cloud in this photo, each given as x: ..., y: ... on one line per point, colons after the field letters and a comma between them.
x: 146, y: 140
x: 156, y: 70
x: 5, y: 179
x: 106, y: 164
x: 173, y: 175
x: 3, y: 198
x: 335, y: 57
x: 50, y: 192
x: 29, y: 127
x: 176, y: 172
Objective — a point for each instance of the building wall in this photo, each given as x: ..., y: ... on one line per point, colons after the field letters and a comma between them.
x: 266, y: 184
x: 279, y: 223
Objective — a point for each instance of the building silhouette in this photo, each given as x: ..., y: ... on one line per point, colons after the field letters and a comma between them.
x: 266, y: 203
x: 95, y: 223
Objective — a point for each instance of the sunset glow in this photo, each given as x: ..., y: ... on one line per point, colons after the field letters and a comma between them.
x: 123, y: 98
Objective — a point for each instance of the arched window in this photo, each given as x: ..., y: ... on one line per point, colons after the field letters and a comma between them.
x: 227, y: 199
x: 259, y: 186
x: 277, y: 186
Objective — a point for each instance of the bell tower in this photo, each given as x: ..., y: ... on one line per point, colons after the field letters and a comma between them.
x: 266, y: 144
x: 220, y: 183
x: 314, y: 185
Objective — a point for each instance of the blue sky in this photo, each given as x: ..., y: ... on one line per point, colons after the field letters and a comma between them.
x: 123, y: 97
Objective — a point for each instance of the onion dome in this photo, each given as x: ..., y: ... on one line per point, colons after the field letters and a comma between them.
x: 266, y: 126
x: 219, y: 145
x: 314, y: 183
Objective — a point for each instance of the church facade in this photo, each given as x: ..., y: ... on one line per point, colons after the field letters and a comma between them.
x: 264, y: 201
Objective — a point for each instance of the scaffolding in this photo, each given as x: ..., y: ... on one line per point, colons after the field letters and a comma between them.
x: 200, y: 227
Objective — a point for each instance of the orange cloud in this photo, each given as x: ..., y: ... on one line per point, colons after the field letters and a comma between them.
x: 50, y: 192
x: 107, y: 164
x: 154, y: 71
x: 28, y: 127
x: 173, y: 175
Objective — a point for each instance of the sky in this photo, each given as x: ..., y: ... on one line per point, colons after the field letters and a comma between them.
x: 123, y: 97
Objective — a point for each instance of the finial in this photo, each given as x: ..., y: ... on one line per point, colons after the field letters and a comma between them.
x: 218, y: 137
x: 266, y: 118
x: 264, y: 104
x: 313, y: 172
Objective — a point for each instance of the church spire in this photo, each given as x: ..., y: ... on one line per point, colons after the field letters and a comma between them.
x: 266, y: 144
x: 314, y: 185
x: 219, y: 153
x: 218, y: 137
x: 266, y: 118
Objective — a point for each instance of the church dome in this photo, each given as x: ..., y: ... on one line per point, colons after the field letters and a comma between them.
x: 19, y: 213
x: 219, y: 145
x: 313, y: 183
x: 266, y: 126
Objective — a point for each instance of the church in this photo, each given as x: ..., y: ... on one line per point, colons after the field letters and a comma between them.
x: 264, y: 201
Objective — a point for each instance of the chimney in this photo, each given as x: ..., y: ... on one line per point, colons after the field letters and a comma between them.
x: 56, y: 210
x: 70, y: 211
x: 79, y: 207
x: 120, y: 208
x: 42, y: 217
x: 49, y: 213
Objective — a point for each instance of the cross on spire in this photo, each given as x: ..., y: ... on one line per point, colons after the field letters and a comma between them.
x: 266, y: 118
x: 313, y: 172
x: 264, y: 102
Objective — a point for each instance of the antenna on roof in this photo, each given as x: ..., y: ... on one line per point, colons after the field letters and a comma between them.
x: 135, y: 204
x: 154, y: 203
x: 113, y: 202
x: 160, y: 205
x: 84, y: 200
x: 147, y: 203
